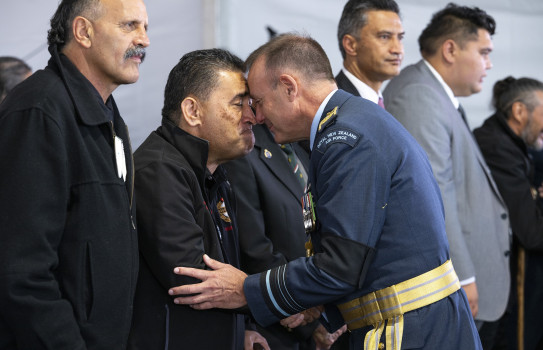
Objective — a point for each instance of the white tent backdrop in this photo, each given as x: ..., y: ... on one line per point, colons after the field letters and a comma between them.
x: 180, y: 26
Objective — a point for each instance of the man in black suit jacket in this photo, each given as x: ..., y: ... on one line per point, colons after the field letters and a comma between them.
x: 370, y: 37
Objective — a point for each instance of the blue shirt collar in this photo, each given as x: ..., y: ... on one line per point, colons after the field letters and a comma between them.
x: 316, y: 118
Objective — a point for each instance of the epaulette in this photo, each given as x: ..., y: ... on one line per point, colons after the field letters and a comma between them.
x: 328, y: 120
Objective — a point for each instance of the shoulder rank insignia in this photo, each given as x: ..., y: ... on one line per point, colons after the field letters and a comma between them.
x: 328, y: 119
x: 267, y: 153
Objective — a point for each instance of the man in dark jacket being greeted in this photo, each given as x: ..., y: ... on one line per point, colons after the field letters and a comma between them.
x: 68, y: 263
x: 185, y: 204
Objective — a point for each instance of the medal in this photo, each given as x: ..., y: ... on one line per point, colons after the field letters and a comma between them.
x: 309, y: 219
x: 308, y: 211
x: 309, y: 248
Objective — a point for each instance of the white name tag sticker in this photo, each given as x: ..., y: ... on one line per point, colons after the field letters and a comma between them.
x: 120, y: 159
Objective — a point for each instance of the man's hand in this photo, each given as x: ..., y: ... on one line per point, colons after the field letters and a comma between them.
x: 293, y: 321
x: 220, y: 288
x: 473, y: 297
x: 312, y: 314
x: 323, y: 339
x: 254, y: 340
x: 302, y: 318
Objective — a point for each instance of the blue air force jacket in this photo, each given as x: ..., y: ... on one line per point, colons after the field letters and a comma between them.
x: 380, y: 221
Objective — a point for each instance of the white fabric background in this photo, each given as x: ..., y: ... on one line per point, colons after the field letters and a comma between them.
x: 180, y: 26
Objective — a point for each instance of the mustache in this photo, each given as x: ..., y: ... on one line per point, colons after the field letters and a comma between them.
x: 135, y: 51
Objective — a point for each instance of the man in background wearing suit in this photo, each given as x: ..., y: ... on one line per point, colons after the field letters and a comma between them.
x: 370, y: 37
x: 455, y: 47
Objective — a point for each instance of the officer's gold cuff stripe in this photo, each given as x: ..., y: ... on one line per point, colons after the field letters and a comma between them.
x: 392, y: 302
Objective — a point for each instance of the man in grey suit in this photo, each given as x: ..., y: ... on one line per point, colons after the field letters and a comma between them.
x: 370, y: 35
x: 455, y: 47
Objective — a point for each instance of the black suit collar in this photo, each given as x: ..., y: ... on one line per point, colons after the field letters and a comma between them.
x: 273, y: 157
x: 346, y: 84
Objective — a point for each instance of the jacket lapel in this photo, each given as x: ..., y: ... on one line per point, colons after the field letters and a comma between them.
x: 345, y: 84
x: 271, y: 155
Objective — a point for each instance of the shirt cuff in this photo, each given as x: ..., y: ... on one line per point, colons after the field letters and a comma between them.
x: 256, y: 302
x: 467, y: 281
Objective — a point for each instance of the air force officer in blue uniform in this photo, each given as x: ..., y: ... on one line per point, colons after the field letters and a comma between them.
x: 381, y: 258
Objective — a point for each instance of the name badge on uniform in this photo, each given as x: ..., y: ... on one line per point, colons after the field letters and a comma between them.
x: 119, y: 158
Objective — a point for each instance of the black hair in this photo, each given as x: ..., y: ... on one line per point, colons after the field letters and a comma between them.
x: 510, y: 90
x: 61, y: 22
x: 196, y: 74
x: 460, y: 23
x: 354, y: 17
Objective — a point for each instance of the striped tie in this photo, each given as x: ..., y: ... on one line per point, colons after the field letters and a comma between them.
x: 294, y: 164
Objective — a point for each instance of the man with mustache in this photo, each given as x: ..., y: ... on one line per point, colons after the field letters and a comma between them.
x: 186, y: 207
x: 69, y: 258
x: 505, y: 139
x: 370, y: 35
x: 455, y: 48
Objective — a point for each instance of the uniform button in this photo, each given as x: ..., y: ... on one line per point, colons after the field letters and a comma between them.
x: 381, y: 346
x: 507, y: 252
x: 504, y: 216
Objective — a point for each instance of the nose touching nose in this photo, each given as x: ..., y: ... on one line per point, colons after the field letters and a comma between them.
x: 249, y: 114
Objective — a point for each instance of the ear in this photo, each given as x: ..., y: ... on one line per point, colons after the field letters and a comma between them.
x: 449, y: 50
x: 288, y: 85
x: 519, y: 113
x: 82, y: 31
x: 349, y: 44
x: 191, y: 112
